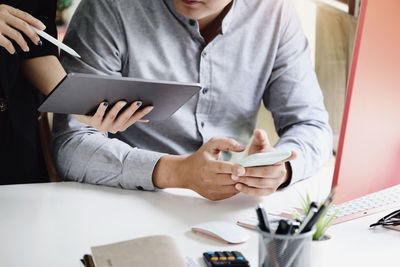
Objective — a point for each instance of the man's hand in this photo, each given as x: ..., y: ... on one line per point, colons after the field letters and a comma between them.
x: 202, y: 172
x: 262, y: 181
x: 114, y: 122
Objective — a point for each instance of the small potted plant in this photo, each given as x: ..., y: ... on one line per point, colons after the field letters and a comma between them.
x: 323, y: 222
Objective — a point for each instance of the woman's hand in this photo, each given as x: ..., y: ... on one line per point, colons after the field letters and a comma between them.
x: 14, y: 21
x: 114, y: 122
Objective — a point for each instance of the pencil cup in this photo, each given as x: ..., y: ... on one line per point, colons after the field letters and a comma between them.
x: 284, y: 250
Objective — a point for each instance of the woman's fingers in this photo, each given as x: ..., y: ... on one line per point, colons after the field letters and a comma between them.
x: 13, y: 34
x: 26, y: 17
x: 108, y: 122
x: 4, y: 42
x: 123, y: 118
x: 24, y: 27
x: 114, y: 121
x: 97, y: 119
x: 13, y: 22
x: 137, y: 117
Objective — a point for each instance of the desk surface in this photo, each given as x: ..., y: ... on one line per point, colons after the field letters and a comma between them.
x: 54, y: 224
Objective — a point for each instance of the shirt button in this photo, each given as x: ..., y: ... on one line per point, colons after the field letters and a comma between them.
x: 3, y: 105
x: 139, y: 188
x: 202, y: 124
x: 192, y: 22
x: 204, y: 54
x: 205, y: 90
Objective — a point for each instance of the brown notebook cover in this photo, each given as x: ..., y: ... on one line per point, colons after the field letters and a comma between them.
x: 151, y: 251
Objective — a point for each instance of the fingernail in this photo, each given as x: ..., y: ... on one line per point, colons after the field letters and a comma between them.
x: 105, y: 104
x: 42, y: 26
x: 27, y: 49
x: 240, y: 145
x: 40, y: 43
x: 241, y: 171
x: 235, y: 178
x: 238, y: 187
x: 151, y: 108
x: 139, y: 103
x: 122, y: 104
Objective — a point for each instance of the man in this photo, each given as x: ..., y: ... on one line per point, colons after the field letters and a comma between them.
x: 241, y: 51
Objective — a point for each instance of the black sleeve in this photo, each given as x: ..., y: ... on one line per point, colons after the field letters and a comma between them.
x: 45, y: 11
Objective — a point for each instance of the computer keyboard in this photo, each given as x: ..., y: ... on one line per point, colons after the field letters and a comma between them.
x: 369, y: 204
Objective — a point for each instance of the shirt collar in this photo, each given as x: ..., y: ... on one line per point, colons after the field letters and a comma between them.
x: 228, y: 17
x: 187, y: 21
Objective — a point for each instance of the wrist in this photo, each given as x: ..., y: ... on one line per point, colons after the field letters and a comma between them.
x: 168, y: 172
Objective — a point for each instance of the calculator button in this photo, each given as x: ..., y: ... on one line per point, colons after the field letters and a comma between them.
x: 225, y: 259
x: 219, y: 254
x: 229, y: 255
x: 237, y: 254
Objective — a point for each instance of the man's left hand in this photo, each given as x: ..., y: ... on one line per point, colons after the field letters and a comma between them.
x: 264, y: 180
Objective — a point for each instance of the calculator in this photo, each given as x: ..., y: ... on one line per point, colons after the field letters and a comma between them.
x: 225, y: 259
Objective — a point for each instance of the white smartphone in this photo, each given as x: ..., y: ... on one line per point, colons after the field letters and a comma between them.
x: 263, y: 159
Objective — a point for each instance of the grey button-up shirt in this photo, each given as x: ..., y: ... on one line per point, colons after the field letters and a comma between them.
x: 260, y: 54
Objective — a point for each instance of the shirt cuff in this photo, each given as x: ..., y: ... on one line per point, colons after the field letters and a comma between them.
x: 137, y: 172
x: 297, y: 165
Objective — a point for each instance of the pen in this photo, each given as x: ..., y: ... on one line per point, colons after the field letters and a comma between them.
x: 284, y: 228
x: 88, y: 260
x: 318, y: 214
x: 311, y: 211
x: 262, y: 219
x: 54, y: 41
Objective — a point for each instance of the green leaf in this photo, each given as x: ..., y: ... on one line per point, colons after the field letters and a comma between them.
x: 324, y: 221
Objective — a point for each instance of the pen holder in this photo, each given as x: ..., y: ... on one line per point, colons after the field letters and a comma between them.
x: 284, y: 250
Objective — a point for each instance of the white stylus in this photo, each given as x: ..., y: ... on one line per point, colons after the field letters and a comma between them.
x: 54, y: 41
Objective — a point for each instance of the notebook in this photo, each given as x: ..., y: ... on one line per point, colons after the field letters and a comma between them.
x: 151, y: 251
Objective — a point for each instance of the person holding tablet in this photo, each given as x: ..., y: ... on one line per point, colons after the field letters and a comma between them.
x: 242, y: 52
x: 28, y: 63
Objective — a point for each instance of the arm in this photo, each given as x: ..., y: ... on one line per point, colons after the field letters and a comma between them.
x: 43, y: 72
x: 293, y: 96
x: 296, y: 101
x: 81, y: 152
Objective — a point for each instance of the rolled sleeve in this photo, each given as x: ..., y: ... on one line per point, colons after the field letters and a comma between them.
x: 85, y: 155
x: 297, y: 165
x: 137, y: 172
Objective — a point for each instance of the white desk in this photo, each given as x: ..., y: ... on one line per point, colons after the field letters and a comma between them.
x: 55, y: 224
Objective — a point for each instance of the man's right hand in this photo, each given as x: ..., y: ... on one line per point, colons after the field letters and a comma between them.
x: 202, y: 172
